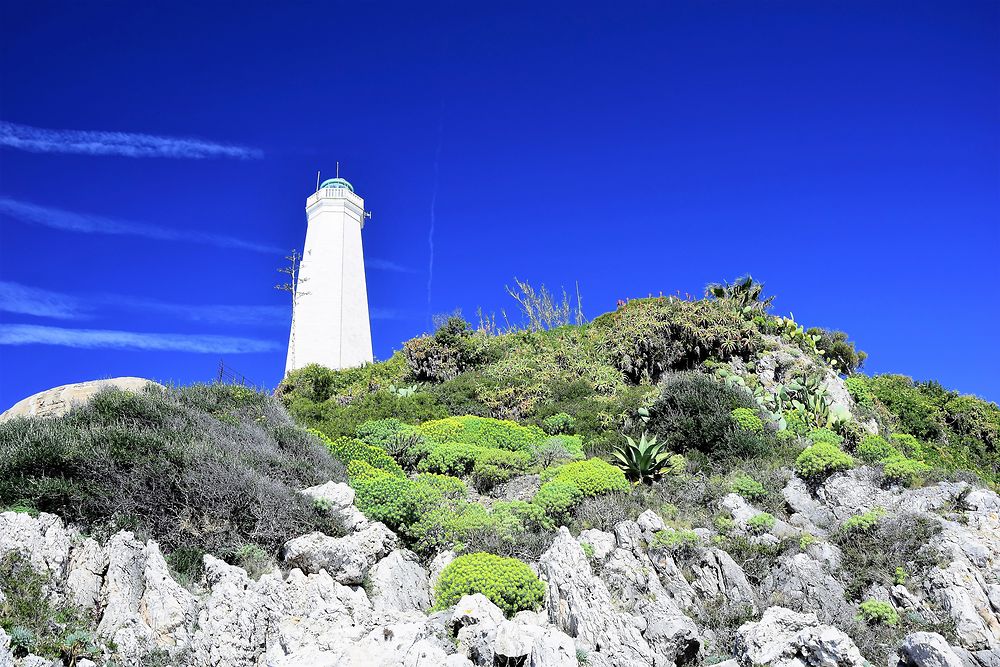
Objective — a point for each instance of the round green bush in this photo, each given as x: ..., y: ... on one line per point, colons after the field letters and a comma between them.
x: 593, y: 476
x: 748, y: 487
x: 508, y: 582
x: 857, y: 387
x: 875, y: 612
x: 825, y: 435
x: 822, y: 460
x: 760, y: 523
x: 907, y: 444
x: 874, y: 448
x: 902, y: 470
x: 557, y: 498
x: 747, y: 419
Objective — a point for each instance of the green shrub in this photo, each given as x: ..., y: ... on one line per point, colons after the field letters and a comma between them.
x: 593, y: 477
x: 747, y: 419
x: 760, y: 523
x: 916, y: 412
x: 647, y: 337
x: 588, y: 550
x: 795, y: 422
x: 508, y: 582
x: 819, y: 461
x: 806, y: 540
x: 900, y: 576
x: 381, y: 432
x: 857, y: 387
x: 907, y: 444
x: 140, y: 460
x: 748, y: 487
x: 901, y: 470
x: 875, y: 448
x: 556, y: 499
x: 487, y: 465
x: 838, y: 350
x: 876, y: 612
x: 383, y: 496
x: 694, y: 412
x: 453, y: 349
x: 484, y: 432
x: 825, y: 435
x: 35, y: 622
x: 559, y: 424
x: 318, y: 384
x: 678, y: 542
x: 347, y: 450
x: 723, y: 523
x: 863, y: 522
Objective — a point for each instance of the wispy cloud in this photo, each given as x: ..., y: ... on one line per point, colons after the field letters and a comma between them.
x: 386, y: 314
x: 127, y: 144
x: 85, y: 223
x: 30, y: 334
x: 24, y: 300
x: 386, y: 265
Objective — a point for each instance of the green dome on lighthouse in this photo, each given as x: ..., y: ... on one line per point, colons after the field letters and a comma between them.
x: 336, y: 183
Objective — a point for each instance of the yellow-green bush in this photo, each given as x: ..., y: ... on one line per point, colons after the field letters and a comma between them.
x: 593, y: 476
x: 349, y: 449
x: 556, y: 499
x: 508, y: 582
x: 487, y: 465
x: 902, y: 470
x: 484, y: 432
x: 748, y: 487
x: 875, y: 612
x: 874, y: 448
x: 747, y: 419
x: 821, y: 460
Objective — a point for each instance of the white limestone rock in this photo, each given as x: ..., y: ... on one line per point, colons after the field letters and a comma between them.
x: 717, y: 576
x: 347, y: 558
x: 650, y: 522
x: 579, y: 604
x: 927, y: 649
x: 87, y: 567
x: 144, y: 608
x: 399, y: 584
x: 437, y: 566
x: 6, y: 657
x: 784, y: 638
x: 43, y: 541
x: 601, y: 542
x: 339, y: 498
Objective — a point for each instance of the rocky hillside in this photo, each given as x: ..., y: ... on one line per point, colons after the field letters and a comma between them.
x: 678, y: 482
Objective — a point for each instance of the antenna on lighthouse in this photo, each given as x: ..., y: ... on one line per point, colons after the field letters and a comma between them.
x: 317, y: 180
x: 338, y: 169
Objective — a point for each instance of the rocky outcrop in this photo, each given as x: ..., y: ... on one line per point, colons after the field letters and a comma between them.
x: 338, y: 498
x: 580, y: 604
x: 58, y: 400
x: 784, y: 638
x: 624, y: 600
x: 347, y: 558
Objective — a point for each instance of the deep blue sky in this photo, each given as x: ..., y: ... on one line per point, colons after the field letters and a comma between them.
x: 847, y: 154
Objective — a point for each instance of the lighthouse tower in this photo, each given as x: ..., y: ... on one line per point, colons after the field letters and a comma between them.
x: 330, y: 324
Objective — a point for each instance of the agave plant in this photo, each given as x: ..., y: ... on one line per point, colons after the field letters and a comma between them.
x: 646, y: 460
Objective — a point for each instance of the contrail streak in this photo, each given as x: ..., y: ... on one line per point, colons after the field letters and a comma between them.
x: 127, y: 144
x: 434, y: 192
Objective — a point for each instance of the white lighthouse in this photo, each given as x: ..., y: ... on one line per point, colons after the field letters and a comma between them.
x: 330, y: 324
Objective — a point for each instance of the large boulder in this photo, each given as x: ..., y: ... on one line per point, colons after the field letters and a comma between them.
x: 927, y: 649
x: 784, y: 638
x: 58, y: 400
x: 43, y: 541
x: 348, y: 558
x: 399, y: 584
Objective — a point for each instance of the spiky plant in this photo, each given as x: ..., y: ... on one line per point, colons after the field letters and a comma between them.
x: 745, y: 293
x: 644, y: 461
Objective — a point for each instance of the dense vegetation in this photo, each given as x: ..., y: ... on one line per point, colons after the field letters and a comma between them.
x: 200, y: 469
